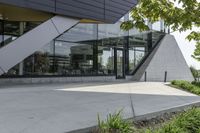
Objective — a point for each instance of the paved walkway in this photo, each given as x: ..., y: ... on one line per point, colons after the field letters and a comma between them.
x: 65, y: 107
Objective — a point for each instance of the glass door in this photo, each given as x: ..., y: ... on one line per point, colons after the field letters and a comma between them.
x: 119, y: 63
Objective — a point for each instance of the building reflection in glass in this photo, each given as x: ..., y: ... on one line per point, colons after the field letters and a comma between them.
x: 73, y: 58
x: 105, y: 60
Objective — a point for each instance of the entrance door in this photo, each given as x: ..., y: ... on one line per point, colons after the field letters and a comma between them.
x: 119, y: 63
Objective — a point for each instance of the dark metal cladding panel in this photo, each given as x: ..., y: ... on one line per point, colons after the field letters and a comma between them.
x: 13, y: 2
x: 115, y: 9
x: 102, y: 10
x: 81, y: 8
x: 44, y: 5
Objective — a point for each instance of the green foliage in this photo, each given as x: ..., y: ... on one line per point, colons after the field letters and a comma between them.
x: 195, y: 73
x: 194, y: 36
x: 187, y: 122
x: 196, y: 83
x: 181, y: 19
x: 114, y: 124
x: 196, y: 54
x: 186, y: 86
x: 177, y: 18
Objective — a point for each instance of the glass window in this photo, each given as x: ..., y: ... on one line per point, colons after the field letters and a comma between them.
x: 10, y: 31
x: 136, y: 54
x: 74, y: 51
x: 13, y: 71
x: 79, y: 33
x: 30, y: 25
x: 105, y: 59
x: 109, y: 37
x: 12, y: 28
x: 73, y: 58
x: 110, y: 30
x: 69, y: 54
x: 86, y: 49
x: 137, y: 49
x: 41, y: 62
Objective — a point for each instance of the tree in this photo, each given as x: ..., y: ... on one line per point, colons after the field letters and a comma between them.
x: 182, y: 18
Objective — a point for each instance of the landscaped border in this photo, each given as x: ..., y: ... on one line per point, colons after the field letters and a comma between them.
x: 193, y: 87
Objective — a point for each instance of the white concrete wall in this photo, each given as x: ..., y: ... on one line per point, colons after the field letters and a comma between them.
x: 168, y: 57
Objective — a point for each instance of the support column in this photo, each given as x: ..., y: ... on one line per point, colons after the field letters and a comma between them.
x: 134, y: 57
x: 95, y: 48
x: 149, y: 42
x: 126, y: 47
x: 2, y: 33
x: 21, y: 64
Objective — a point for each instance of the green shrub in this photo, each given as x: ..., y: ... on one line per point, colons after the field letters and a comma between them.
x: 114, y: 124
x: 196, y: 83
x: 193, y: 88
x: 187, y: 122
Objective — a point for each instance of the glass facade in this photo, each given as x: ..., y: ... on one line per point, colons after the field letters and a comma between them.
x: 136, y: 54
x: 105, y: 59
x: 73, y: 58
x: 86, y: 49
x: 40, y: 62
x: 11, y: 30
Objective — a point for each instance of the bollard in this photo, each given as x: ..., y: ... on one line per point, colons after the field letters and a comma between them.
x: 165, y: 79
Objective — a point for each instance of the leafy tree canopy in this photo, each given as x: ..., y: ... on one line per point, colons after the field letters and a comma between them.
x: 178, y: 18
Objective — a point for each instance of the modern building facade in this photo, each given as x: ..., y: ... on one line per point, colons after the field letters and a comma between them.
x: 74, y: 40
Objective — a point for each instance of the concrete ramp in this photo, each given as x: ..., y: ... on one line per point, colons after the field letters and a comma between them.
x: 166, y: 63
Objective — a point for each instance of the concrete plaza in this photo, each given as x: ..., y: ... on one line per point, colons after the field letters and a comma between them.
x: 60, y: 108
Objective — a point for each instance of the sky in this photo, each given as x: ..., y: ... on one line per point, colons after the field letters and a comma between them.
x: 186, y: 47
